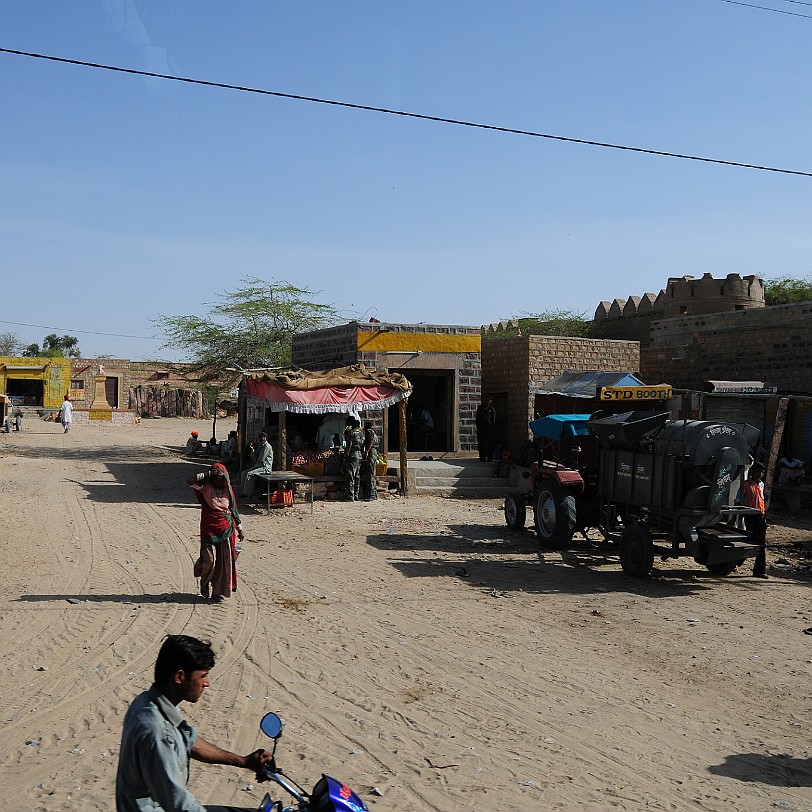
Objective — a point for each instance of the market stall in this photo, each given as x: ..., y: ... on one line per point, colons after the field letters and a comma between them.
x: 294, y: 406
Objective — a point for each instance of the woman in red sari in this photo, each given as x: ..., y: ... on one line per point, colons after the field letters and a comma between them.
x: 220, y: 528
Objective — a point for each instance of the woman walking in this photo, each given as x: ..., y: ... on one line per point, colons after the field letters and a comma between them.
x: 220, y: 528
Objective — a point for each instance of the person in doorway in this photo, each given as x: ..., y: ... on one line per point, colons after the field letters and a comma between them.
x: 485, y: 422
x: 261, y: 463
x: 369, y: 460
x: 753, y: 496
x: 354, y: 452
x: 421, y: 424
x: 66, y: 414
x: 220, y: 530
x: 157, y: 742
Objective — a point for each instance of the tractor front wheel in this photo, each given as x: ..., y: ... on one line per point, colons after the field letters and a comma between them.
x: 515, y: 511
x: 554, y: 514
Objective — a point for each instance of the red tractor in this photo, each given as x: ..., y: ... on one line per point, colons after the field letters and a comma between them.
x: 558, y: 482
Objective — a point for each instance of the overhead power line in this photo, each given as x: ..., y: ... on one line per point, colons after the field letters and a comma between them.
x: 87, y: 332
x: 420, y: 116
x: 775, y: 10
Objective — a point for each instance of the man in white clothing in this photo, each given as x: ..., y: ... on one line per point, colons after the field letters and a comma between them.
x: 66, y: 413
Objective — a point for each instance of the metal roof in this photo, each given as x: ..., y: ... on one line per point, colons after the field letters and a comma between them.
x: 585, y: 384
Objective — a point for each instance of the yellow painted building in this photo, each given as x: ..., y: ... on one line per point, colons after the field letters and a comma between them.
x: 35, y: 381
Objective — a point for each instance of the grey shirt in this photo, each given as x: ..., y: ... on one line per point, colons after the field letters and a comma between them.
x: 153, y: 761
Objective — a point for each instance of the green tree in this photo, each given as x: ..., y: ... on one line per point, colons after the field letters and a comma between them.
x: 9, y: 344
x: 54, y: 346
x: 552, y: 322
x: 786, y: 290
x: 248, y: 328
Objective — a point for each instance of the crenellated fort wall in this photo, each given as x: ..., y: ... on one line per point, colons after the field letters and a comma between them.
x: 683, y: 296
x: 697, y: 330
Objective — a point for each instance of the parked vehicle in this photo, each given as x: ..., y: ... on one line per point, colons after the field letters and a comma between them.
x: 328, y: 795
x: 557, y: 494
x: 656, y: 487
x: 10, y: 416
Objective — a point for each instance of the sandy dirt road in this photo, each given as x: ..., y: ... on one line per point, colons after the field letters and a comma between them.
x: 416, y: 648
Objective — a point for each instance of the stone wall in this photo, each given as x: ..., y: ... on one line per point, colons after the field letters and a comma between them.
x: 770, y: 344
x: 513, y: 367
x: 329, y: 348
x: 166, y: 390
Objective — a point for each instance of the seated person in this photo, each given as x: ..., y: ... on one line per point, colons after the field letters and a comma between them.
x: 193, y: 444
x: 421, y: 424
x: 790, y: 470
x: 213, y: 447
x: 228, y: 448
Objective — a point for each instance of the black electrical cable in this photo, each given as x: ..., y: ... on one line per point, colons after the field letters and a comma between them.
x: 88, y: 332
x: 767, y: 8
x: 420, y: 116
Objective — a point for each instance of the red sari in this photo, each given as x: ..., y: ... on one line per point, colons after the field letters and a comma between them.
x: 219, y: 517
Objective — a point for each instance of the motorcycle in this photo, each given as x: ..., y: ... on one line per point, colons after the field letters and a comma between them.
x: 329, y: 794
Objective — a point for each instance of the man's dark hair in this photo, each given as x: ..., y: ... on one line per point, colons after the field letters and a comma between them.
x: 179, y: 651
x: 368, y: 424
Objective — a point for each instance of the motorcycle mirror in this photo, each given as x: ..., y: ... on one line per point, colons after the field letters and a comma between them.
x: 271, y: 725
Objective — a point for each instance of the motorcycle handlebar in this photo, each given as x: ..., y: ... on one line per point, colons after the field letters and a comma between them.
x: 271, y: 773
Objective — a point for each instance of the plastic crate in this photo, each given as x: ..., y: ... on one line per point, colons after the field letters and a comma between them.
x: 281, y: 498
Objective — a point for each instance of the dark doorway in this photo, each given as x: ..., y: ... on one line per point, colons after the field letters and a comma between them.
x: 432, y: 392
x: 25, y: 391
x: 111, y: 392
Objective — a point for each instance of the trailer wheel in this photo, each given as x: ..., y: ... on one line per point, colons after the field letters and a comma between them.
x: 554, y: 516
x: 515, y: 511
x: 724, y: 569
x: 636, y: 551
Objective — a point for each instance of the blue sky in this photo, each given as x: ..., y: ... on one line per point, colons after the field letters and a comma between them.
x: 126, y: 197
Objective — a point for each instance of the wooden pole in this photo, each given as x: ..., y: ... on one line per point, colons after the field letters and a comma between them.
x: 404, y: 473
x: 385, y: 433
x: 775, y: 446
x: 283, y: 441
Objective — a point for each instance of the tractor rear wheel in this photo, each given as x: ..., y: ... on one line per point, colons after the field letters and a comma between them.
x: 636, y: 551
x: 554, y: 514
x: 724, y: 569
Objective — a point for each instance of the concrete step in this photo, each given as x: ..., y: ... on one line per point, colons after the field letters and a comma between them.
x: 455, y: 478
x: 434, y: 480
x: 461, y: 492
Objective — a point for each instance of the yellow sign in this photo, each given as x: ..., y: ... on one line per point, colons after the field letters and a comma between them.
x: 627, y: 393
x: 377, y: 341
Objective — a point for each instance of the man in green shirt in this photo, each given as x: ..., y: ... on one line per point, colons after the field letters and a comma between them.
x: 354, y: 454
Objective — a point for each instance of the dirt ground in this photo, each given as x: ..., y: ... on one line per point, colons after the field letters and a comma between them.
x: 416, y: 648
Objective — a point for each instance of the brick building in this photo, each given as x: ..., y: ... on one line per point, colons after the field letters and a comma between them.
x: 140, y: 386
x: 513, y: 367
x: 442, y: 362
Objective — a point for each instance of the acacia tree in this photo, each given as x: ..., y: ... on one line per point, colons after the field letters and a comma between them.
x: 552, y: 322
x: 248, y: 328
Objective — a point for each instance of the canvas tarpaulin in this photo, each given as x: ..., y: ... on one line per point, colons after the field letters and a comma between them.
x: 349, y: 389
